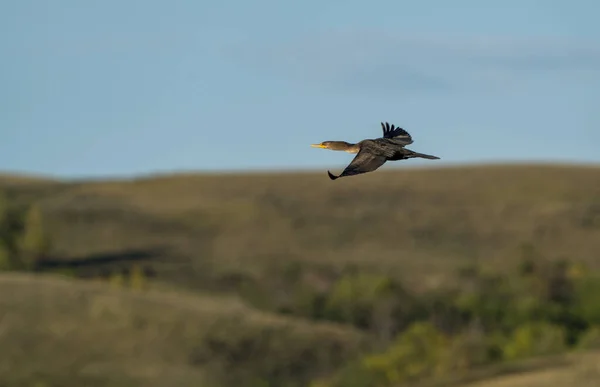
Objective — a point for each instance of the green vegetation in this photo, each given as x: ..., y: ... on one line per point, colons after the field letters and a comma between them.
x: 487, y: 319
x: 412, y: 277
x: 23, y: 238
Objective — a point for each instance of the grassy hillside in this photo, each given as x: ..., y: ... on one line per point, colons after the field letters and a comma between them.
x: 59, y: 332
x: 244, y: 270
x: 424, y: 221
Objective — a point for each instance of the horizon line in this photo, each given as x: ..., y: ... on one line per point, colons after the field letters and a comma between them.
x: 26, y: 175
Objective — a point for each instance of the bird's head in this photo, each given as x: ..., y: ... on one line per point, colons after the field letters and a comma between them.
x: 336, y: 146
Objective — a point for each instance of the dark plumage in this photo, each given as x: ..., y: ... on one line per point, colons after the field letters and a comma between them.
x: 373, y: 153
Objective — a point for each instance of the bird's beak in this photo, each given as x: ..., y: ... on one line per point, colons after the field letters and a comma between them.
x: 318, y: 146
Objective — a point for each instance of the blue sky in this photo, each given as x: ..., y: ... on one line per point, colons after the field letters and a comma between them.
x: 115, y: 88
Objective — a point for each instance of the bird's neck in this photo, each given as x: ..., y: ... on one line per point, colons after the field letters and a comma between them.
x: 344, y: 146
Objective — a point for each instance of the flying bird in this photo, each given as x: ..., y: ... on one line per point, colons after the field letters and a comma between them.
x: 373, y: 153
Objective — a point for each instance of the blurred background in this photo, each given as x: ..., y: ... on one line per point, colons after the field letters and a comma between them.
x: 164, y: 222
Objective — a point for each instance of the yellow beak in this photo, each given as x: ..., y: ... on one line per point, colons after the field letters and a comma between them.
x: 318, y: 146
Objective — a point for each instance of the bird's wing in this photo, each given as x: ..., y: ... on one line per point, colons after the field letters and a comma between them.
x: 397, y: 134
x: 363, y: 162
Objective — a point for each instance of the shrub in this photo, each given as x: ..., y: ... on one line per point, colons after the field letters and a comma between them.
x: 490, y: 300
x: 535, y: 339
x: 373, y: 302
x: 421, y: 351
x: 587, y: 304
x: 34, y: 242
x: 472, y: 348
x: 23, y: 237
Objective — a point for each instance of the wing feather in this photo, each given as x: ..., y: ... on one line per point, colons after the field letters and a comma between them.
x: 397, y: 134
x: 363, y: 162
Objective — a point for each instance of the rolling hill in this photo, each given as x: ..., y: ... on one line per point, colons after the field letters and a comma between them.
x: 60, y: 332
x: 227, y: 254
x: 424, y: 221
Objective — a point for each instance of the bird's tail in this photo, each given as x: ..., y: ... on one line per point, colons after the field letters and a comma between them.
x: 423, y: 156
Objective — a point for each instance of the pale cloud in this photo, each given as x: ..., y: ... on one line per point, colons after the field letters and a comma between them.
x: 381, y: 61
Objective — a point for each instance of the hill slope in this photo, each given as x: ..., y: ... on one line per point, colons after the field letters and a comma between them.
x: 60, y: 332
x: 419, y: 221
x: 71, y: 333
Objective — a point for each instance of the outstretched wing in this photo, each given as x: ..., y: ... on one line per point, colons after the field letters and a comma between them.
x: 397, y: 134
x: 363, y: 162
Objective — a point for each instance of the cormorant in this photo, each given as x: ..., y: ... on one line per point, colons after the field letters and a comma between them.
x: 373, y: 153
